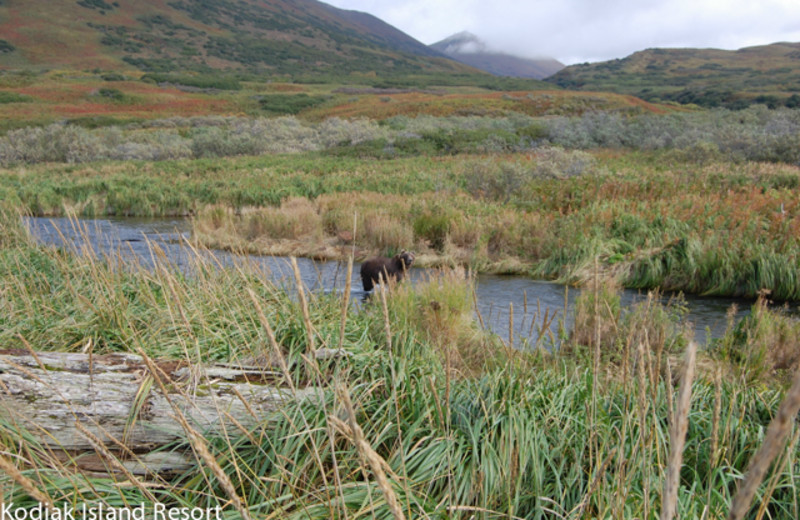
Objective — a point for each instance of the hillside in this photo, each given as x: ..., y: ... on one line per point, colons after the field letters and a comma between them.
x: 768, y: 74
x: 467, y: 48
x: 290, y: 38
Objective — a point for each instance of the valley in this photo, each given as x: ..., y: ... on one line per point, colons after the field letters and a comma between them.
x: 297, y: 132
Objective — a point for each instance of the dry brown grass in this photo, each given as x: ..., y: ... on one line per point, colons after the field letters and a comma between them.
x: 297, y: 217
x: 384, y: 232
x: 677, y: 433
x: 597, y: 314
x: 777, y: 337
x: 763, y: 346
x: 384, y: 224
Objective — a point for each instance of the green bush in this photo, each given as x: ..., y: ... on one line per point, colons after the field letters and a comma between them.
x: 13, y: 97
x: 534, y: 132
x: 289, y: 103
x: 457, y: 140
x: 112, y: 94
x: 499, y: 182
x: 6, y: 46
x: 754, y: 134
x: 204, y: 81
x: 113, y: 76
x: 433, y: 225
x: 763, y: 344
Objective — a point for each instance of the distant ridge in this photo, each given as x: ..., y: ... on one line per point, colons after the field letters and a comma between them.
x: 765, y: 74
x: 467, y: 48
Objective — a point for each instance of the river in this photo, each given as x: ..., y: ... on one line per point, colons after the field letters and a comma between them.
x: 539, y: 307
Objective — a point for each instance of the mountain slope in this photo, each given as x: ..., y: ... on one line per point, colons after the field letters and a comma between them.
x: 767, y: 74
x: 284, y: 37
x: 467, y: 48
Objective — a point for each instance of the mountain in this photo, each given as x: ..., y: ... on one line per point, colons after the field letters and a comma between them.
x: 768, y: 74
x: 276, y: 37
x: 471, y: 50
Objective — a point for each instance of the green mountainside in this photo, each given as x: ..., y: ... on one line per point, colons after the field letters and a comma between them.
x: 294, y: 39
x: 768, y: 74
x: 217, y: 43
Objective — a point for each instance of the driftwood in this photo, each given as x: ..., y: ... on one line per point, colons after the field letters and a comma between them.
x: 59, y: 397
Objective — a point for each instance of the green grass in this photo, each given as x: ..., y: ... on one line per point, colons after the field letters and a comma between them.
x: 289, y: 104
x: 13, y: 97
x: 654, y: 219
x: 500, y: 434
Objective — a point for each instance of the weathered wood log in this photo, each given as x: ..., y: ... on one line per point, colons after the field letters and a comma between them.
x: 115, y: 397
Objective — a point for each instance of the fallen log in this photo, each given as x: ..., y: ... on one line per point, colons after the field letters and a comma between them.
x: 59, y: 397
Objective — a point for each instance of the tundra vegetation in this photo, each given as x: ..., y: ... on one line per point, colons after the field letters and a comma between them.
x: 702, y: 202
x: 428, y: 416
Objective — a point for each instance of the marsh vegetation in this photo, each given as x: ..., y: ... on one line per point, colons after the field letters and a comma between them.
x: 699, y: 202
x: 427, y: 415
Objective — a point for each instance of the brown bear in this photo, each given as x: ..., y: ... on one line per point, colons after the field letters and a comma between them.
x: 375, y: 270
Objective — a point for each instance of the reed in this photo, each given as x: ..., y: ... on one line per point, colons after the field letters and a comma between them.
x: 720, y: 227
x: 774, y: 441
x: 678, y: 428
x: 459, y: 426
x: 25, y: 483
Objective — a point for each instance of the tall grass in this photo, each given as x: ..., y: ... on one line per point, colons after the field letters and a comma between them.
x: 762, y: 344
x: 426, y: 418
x: 654, y: 220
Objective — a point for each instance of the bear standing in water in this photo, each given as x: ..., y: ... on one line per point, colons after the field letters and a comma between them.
x: 375, y: 270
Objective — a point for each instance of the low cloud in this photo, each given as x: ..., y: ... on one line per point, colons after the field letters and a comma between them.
x: 575, y: 31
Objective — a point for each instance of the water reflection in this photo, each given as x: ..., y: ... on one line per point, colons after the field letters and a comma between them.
x: 539, y: 308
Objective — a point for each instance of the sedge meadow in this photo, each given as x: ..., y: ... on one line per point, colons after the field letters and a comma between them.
x: 414, y: 410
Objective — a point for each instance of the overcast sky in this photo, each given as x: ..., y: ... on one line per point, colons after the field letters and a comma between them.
x: 576, y: 31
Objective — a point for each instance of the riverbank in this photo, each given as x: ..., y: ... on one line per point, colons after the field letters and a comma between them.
x: 652, y: 219
x: 425, y: 414
x: 725, y: 229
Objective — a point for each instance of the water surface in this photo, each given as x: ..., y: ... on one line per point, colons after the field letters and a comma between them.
x: 540, y: 308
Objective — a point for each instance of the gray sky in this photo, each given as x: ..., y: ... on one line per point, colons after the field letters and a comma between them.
x: 575, y: 31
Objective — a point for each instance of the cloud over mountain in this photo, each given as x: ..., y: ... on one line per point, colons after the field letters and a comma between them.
x: 471, y: 50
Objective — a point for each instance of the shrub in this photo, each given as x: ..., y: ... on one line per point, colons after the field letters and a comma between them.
x: 6, y: 46
x: 505, y: 181
x: 461, y: 140
x: 53, y: 143
x: 289, y: 103
x: 534, y: 133
x: 13, y: 97
x: 217, y: 142
x: 702, y: 152
x: 433, y: 224
x: 335, y: 131
x: 112, y: 94
x: 555, y: 162
x: 152, y: 146
x: 494, y: 181
x: 465, y: 232
x: 755, y: 134
x: 203, y: 81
